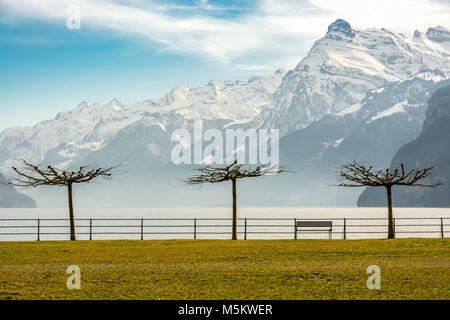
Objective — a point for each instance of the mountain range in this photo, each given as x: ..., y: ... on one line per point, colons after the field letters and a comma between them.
x: 358, y: 94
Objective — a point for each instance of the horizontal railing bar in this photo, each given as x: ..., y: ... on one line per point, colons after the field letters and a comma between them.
x: 34, y: 219
x: 418, y: 225
x: 160, y: 233
x: 17, y: 233
x: 41, y: 226
x: 337, y: 219
x: 241, y: 232
x: 437, y: 231
x: 220, y: 226
x: 206, y: 219
x: 35, y: 226
x: 210, y: 226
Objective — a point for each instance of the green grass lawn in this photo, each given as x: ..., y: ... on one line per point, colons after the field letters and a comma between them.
x: 225, y: 269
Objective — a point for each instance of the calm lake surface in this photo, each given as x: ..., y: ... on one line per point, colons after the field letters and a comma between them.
x: 215, y: 223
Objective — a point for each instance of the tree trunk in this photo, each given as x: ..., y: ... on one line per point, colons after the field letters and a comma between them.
x: 391, y: 234
x: 72, y: 219
x: 234, y: 237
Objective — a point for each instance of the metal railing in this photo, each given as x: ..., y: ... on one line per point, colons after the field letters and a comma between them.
x: 206, y: 228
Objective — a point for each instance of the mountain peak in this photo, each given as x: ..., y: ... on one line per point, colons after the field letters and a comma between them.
x: 82, y: 105
x: 418, y: 34
x: 340, y: 28
x: 115, y: 102
x: 438, y: 34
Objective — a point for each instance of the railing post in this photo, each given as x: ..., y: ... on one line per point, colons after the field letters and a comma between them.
x: 295, y: 229
x: 90, y: 229
x: 245, y: 229
x: 142, y: 229
x: 38, y: 227
x: 195, y: 228
x: 442, y: 227
x: 393, y: 220
x: 345, y: 229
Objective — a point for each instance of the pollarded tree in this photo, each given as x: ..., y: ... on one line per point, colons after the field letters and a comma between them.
x: 360, y: 175
x: 232, y: 172
x: 34, y: 176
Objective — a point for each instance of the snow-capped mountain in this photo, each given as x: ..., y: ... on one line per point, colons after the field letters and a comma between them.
x: 342, y: 66
x: 357, y: 94
x: 90, y: 127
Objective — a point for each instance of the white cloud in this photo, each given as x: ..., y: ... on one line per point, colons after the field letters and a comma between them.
x: 276, y: 28
x: 251, y: 67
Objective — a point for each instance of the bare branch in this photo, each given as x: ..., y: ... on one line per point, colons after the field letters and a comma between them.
x: 33, y: 176
x: 361, y: 176
x: 233, y: 171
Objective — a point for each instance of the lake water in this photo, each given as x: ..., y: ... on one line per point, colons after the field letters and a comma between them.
x: 215, y: 223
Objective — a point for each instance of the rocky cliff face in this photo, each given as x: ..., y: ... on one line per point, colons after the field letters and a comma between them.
x: 431, y: 148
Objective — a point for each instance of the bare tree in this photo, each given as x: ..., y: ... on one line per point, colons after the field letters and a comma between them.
x: 233, y: 172
x: 34, y: 176
x: 360, y: 175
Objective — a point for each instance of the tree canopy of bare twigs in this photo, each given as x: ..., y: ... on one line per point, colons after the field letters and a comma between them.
x: 233, y: 171
x: 34, y: 176
x: 209, y: 174
x: 360, y: 175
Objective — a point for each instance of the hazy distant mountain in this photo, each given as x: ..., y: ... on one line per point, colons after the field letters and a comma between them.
x: 90, y: 127
x: 357, y: 94
x: 431, y: 148
x: 10, y: 198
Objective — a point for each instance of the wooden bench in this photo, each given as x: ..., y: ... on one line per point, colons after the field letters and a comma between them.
x: 314, y: 226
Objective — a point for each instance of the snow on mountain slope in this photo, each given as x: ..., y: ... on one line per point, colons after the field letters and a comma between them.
x: 439, y: 35
x: 342, y: 66
x: 235, y: 101
x: 397, y: 108
x: 371, y: 132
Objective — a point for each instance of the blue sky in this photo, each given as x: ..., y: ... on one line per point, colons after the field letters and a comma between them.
x: 136, y: 49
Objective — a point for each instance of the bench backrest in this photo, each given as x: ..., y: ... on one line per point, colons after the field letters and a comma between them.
x: 314, y: 224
